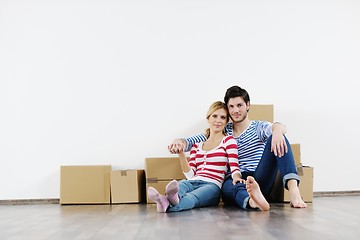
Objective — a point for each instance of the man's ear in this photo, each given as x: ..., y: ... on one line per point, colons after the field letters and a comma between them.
x: 248, y: 106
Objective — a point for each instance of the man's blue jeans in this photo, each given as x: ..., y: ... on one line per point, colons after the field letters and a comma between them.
x: 264, y: 174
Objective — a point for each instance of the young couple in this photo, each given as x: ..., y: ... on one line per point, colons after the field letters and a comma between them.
x: 262, y: 151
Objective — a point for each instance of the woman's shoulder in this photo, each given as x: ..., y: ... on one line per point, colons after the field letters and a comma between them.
x: 228, y: 138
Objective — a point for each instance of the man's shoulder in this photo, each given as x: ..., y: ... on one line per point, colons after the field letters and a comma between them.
x: 258, y: 123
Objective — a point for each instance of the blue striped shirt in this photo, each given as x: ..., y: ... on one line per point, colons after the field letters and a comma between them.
x: 251, y: 143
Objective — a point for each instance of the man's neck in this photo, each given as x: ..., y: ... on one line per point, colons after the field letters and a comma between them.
x: 240, y: 127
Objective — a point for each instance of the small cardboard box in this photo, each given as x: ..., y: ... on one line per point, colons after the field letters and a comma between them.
x: 263, y: 112
x: 88, y: 184
x: 127, y: 186
x: 160, y: 171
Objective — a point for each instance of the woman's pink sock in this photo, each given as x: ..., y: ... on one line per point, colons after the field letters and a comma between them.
x: 162, y: 203
x: 171, y: 190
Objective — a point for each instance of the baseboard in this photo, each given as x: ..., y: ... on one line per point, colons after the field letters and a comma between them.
x: 30, y: 201
x: 57, y: 200
x: 337, y: 193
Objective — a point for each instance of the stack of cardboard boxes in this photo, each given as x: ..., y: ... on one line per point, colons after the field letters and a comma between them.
x: 99, y: 184
x: 279, y: 194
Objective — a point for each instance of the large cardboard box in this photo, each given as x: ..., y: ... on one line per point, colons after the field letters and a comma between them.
x: 263, y: 112
x: 127, y: 186
x: 163, y: 168
x: 87, y: 184
x: 160, y: 171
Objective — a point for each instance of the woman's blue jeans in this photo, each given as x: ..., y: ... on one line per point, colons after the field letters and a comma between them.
x: 265, y: 175
x: 196, y: 193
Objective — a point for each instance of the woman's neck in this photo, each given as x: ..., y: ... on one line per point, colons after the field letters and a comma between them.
x: 216, y: 136
x: 213, y: 141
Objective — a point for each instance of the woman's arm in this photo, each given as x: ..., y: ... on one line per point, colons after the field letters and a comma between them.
x: 232, y: 153
x: 184, y: 162
x: 189, y: 167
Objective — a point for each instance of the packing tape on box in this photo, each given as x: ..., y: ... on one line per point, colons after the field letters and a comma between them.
x: 156, y: 180
x: 152, y: 180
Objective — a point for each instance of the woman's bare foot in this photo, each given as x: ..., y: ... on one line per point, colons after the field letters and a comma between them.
x: 257, y: 199
x: 295, y: 196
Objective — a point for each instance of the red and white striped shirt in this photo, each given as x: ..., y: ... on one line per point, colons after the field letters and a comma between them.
x: 212, y: 165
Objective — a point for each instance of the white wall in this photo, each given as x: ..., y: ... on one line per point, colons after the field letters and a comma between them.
x: 113, y: 82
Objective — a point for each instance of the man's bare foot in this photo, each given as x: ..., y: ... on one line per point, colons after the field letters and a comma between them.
x: 257, y: 199
x: 295, y: 196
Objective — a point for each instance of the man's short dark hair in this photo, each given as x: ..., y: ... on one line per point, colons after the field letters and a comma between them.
x: 236, y: 91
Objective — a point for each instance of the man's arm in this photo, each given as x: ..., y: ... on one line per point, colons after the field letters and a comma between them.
x: 185, y: 144
x: 278, y: 127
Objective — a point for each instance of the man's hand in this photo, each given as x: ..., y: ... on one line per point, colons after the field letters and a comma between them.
x: 177, y: 146
x: 278, y: 144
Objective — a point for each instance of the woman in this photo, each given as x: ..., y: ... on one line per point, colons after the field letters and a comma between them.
x: 205, y: 170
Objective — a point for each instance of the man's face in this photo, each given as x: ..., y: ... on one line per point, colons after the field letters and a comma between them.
x: 237, y: 109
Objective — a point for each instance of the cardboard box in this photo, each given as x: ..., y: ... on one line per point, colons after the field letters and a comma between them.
x: 158, y: 185
x: 306, y: 174
x: 160, y: 171
x: 164, y: 168
x: 127, y: 186
x: 89, y: 184
x: 263, y: 112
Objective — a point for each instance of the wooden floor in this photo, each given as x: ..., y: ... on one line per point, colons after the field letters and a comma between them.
x: 325, y: 218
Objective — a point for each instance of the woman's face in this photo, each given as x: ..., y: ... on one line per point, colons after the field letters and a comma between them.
x: 218, y: 120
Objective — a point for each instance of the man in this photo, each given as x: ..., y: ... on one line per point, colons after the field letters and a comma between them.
x: 263, y: 151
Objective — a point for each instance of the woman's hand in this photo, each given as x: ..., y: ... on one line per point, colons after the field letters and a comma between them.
x: 177, y: 146
x: 237, y: 179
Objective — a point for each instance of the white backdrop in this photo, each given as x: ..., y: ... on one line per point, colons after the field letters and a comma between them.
x: 112, y: 82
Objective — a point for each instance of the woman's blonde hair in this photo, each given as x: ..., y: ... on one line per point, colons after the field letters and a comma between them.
x: 214, y: 107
